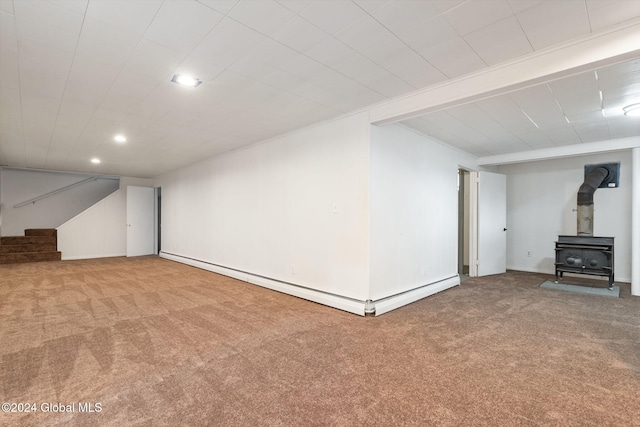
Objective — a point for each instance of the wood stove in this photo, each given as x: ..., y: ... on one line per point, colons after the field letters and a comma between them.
x: 585, y: 255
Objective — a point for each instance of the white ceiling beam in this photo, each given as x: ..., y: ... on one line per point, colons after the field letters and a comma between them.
x: 564, y: 151
x: 615, y: 45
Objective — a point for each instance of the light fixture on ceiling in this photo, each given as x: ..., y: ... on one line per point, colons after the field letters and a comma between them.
x: 120, y: 138
x: 95, y: 160
x: 632, y: 110
x: 186, y: 80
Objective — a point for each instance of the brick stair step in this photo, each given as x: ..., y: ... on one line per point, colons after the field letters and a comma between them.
x: 41, y: 232
x: 29, y: 257
x: 37, y: 247
x: 28, y: 240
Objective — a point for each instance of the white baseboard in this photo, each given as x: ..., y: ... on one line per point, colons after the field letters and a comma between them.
x: 335, y: 301
x: 391, y: 303
x: 72, y: 258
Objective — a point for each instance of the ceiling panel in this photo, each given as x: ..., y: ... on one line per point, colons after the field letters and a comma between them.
x: 551, y: 22
x: 331, y: 16
x: 75, y: 72
x: 181, y: 25
x: 473, y: 15
x: 500, y: 41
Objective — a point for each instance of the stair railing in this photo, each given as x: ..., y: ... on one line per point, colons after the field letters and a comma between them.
x: 60, y: 190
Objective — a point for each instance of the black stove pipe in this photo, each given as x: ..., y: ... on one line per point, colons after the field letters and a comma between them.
x: 585, y: 200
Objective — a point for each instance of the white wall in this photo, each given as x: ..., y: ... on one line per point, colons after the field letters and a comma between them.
x: 99, y: 231
x: 292, y: 209
x: 540, y: 198
x: 20, y: 185
x: 413, y: 210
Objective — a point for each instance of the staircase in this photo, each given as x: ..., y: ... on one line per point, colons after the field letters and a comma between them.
x: 37, y: 244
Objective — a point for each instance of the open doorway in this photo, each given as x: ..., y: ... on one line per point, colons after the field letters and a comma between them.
x: 158, y: 225
x: 464, y: 221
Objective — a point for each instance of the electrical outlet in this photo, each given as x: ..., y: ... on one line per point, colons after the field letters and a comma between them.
x: 528, y: 253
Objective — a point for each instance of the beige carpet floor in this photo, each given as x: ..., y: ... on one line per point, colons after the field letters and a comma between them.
x: 157, y: 343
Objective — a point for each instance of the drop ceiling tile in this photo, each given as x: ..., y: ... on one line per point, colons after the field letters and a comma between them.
x: 264, y: 16
x: 35, y: 156
x: 506, y: 112
x: 575, y: 85
x: 400, y: 15
x: 153, y: 60
x: 473, y: 15
x: 333, y: 16
x: 416, y: 71
x: 299, y: 34
x: 445, y: 6
x: 364, y: 35
x: 181, y: 25
x: 36, y: 57
x: 131, y: 16
x: 453, y: 57
x: 45, y: 35
x: 623, y: 127
x: 6, y: 6
x: 296, y: 6
x: 51, y: 16
x: 553, y: 22
x: 434, y: 32
x: 14, y: 152
x: 500, y: 41
x: 585, y: 103
x: 330, y: 52
x: 474, y: 117
x: 227, y: 43
x: 520, y: 5
x: 86, y: 92
x: 105, y: 43
x: 536, y: 140
x: 8, y: 41
x: 389, y: 52
x: 134, y: 84
x: 594, y: 131
x: 564, y: 135
x: 199, y: 67
x: 42, y: 84
x: 603, y: 14
x: 588, y: 116
x: 272, y: 52
x: 9, y: 69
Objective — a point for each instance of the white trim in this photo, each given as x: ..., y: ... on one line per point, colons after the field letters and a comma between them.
x: 564, y: 151
x: 635, y: 222
x: 391, y: 303
x: 614, y: 45
x: 335, y: 301
x: 92, y: 256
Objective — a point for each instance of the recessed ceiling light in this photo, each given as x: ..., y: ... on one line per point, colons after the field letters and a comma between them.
x: 95, y: 160
x: 186, y: 80
x: 632, y: 110
x: 120, y: 138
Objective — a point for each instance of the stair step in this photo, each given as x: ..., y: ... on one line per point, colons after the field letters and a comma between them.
x: 30, y: 257
x: 41, y: 232
x: 28, y: 240
x: 37, y: 247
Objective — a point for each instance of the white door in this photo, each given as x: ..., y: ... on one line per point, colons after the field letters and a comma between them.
x: 140, y: 220
x: 492, y: 223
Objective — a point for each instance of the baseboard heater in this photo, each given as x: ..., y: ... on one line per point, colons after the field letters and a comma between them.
x: 350, y: 305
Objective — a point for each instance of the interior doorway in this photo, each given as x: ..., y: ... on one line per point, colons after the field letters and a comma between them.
x: 158, y: 222
x: 464, y: 223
